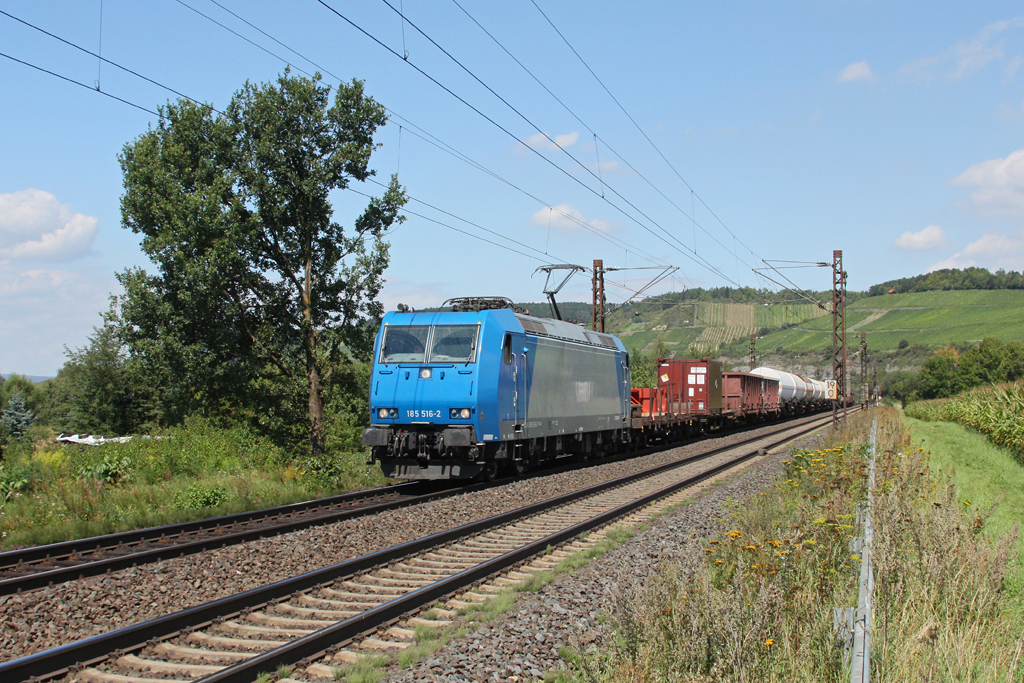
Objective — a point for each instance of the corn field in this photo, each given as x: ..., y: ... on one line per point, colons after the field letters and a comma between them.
x: 995, y: 411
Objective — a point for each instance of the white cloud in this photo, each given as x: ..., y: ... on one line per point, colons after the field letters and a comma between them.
x: 929, y: 239
x: 41, y: 310
x: 544, y: 141
x: 966, y: 57
x: 992, y: 251
x: 34, y: 226
x: 566, y: 218
x: 1000, y: 186
x: 858, y: 71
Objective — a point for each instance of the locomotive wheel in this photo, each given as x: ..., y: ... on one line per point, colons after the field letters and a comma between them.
x: 490, y: 471
x: 516, y: 467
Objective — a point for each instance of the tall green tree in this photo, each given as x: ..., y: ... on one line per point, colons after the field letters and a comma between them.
x: 256, y: 282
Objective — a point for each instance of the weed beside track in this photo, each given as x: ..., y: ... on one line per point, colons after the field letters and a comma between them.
x: 756, y: 603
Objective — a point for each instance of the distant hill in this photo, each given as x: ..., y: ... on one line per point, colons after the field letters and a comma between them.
x: 36, y: 379
x: 927, y: 318
x: 951, y: 279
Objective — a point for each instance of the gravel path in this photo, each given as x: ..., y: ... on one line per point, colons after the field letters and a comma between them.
x: 523, y: 644
x: 74, y: 610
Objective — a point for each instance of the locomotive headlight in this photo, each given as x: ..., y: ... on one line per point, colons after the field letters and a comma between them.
x: 464, y: 413
x: 383, y: 412
x: 425, y: 373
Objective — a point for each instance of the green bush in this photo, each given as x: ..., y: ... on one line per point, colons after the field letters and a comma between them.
x: 197, y: 448
x: 198, y: 496
x: 110, y: 470
x: 12, y: 482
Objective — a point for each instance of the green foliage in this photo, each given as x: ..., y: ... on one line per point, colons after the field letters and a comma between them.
x: 951, y: 278
x: 20, y: 384
x: 99, y: 390
x: 949, y: 371
x: 12, y: 482
x: 16, y: 417
x: 642, y: 370
x: 995, y: 411
x: 112, y: 469
x: 259, y: 295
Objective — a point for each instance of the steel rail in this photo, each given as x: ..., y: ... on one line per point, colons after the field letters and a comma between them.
x: 214, y: 538
x: 99, y: 544
x: 66, y: 548
x: 59, y: 661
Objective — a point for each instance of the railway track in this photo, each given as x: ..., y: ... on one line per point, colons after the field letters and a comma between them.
x: 369, y: 604
x: 41, y: 566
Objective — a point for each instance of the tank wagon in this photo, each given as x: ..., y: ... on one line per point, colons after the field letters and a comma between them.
x: 484, y: 389
x: 797, y: 394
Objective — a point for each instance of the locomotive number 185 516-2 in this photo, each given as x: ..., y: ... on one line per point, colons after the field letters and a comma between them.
x: 423, y: 413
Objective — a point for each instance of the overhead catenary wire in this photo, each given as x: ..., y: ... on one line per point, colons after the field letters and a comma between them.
x: 702, y: 262
x: 691, y: 216
x: 637, y: 125
x: 168, y: 88
x: 103, y: 59
x: 484, y: 239
x: 411, y: 127
x: 87, y: 87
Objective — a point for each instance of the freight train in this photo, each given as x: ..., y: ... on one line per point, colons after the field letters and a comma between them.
x: 485, y: 389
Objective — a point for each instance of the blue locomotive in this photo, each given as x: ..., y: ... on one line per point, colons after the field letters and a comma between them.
x: 481, y: 390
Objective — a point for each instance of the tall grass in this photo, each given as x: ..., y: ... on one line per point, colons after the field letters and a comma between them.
x: 943, y: 611
x: 995, y: 411
x: 755, y: 603
x: 51, y: 492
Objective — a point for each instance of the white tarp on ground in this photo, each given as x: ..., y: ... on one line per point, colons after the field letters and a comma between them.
x: 92, y: 439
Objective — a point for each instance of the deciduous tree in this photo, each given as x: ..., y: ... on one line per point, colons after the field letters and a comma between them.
x: 256, y: 281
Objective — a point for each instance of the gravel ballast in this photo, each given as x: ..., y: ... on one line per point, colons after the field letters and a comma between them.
x: 67, y: 612
x: 523, y: 644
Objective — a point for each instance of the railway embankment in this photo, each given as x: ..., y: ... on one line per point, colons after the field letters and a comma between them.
x: 750, y: 572
x: 63, y: 613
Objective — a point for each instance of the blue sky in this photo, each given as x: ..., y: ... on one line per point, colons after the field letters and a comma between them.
x: 892, y: 131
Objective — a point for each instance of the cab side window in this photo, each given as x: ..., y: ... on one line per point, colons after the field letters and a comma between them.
x: 507, y: 351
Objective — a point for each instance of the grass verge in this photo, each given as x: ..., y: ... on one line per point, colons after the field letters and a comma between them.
x: 51, y: 492
x: 988, y: 478
x: 756, y: 603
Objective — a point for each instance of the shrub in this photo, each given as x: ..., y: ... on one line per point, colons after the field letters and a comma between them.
x: 110, y: 470
x: 12, y: 482
x: 198, y: 496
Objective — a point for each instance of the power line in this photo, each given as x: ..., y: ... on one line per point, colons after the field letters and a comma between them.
x: 697, y: 259
x: 597, y: 137
x: 547, y: 256
x: 87, y: 87
x: 102, y: 59
x: 633, y: 121
x: 434, y: 140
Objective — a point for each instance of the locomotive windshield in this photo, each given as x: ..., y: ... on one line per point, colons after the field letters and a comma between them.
x: 453, y: 344
x: 404, y: 344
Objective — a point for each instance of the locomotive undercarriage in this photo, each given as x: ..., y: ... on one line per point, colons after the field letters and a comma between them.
x: 432, y: 454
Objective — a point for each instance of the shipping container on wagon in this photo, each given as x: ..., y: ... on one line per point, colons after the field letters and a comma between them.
x: 697, y: 382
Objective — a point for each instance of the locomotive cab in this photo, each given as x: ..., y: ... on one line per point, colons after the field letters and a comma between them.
x: 424, y: 394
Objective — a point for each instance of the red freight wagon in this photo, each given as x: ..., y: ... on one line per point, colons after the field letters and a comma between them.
x: 747, y: 395
x: 694, y: 382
